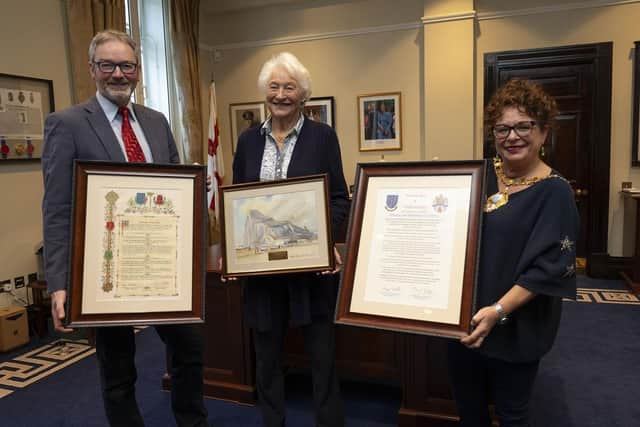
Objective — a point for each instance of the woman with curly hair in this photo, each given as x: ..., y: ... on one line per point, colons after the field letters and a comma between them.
x: 527, y: 263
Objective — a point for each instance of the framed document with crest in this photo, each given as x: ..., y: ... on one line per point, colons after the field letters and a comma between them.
x: 412, y: 247
x: 138, y: 244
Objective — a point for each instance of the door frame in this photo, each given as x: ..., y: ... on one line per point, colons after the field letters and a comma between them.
x: 601, y: 56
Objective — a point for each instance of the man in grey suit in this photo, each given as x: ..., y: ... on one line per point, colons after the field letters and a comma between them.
x: 110, y: 127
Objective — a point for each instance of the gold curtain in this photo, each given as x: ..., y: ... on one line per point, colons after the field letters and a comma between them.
x: 184, y: 46
x: 84, y: 19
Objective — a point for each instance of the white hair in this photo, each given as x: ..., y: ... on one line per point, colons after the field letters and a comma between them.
x: 292, y: 65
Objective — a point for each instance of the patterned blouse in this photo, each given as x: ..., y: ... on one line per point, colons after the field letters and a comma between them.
x: 275, y: 162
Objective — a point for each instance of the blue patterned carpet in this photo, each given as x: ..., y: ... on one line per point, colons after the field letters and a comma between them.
x: 589, y: 379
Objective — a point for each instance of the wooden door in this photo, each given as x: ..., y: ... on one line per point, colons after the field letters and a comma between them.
x: 579, y: 77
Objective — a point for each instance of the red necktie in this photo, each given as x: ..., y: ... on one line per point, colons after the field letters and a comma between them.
x: 131, y: 145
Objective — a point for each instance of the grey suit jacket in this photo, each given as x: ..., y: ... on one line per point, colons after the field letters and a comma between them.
x: 83, y: 132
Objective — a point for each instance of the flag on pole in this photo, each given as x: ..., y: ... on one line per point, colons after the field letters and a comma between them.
x: 215, y: 165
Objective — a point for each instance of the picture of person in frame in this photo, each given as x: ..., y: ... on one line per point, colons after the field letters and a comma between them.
x: 316, y: 113
x: 369, y: 119
x: 248, y: 120
x: 384, y: 120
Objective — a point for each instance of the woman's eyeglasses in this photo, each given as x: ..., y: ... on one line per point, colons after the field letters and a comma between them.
x: 522, y: 129
x: 109, y: 67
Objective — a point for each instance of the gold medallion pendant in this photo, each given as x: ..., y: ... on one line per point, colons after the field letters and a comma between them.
x: 495, y: 201
x: 501, y: 198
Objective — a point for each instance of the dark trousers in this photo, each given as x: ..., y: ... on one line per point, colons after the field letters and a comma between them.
x: 116, y: 348
x: 477, y: 379
x: 319, y: 340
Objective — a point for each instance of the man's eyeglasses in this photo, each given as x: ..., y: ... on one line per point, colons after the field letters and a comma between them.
x: 522, y: 129
x: 110, y: 67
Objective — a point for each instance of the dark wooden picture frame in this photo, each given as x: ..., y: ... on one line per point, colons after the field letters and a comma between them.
x: 635, y: 142
x: 321, y: 109
x: 26, y: 101
x: 463, y: 183
x: 245, y: 115
x: 138, y: 250
x: 276, y: 227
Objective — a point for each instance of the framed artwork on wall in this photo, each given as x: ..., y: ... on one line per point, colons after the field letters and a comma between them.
x: 243, y: 116
x: 321, y: 110
x: 635, y: 143
x: 379, y: 122
x: 25, y: 103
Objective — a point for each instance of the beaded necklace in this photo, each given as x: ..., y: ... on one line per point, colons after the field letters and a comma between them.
x: 501, y: 198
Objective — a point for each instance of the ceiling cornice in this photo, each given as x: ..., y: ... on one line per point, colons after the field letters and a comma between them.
x: 480, y: 16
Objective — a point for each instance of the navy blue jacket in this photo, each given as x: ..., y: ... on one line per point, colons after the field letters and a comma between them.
x: 316, y: 151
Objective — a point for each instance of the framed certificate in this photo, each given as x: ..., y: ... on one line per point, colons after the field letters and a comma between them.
x: 138, y: 244
x: 412, y: 247
x: 276, y: 227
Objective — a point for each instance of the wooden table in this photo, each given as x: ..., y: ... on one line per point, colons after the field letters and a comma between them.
x: 41, y: 307
x: 632, y: 277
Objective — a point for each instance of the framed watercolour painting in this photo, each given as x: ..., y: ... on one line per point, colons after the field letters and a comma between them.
x: 379, y: 122
x: 25, y: 103
x: 412, y: 247
x: 138, y: 244
x: 244, y: 116
x: 320, y: 110
x: 276, y: 227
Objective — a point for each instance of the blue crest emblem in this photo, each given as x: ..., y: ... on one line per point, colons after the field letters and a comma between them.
x: 141, y: 198
x: 391, y: 204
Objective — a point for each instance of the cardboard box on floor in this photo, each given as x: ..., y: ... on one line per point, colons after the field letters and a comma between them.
x: 14, y: 327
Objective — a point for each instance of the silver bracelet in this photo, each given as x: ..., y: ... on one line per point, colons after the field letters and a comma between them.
x: 502, y: 316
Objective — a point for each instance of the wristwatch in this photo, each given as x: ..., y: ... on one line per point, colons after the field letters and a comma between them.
x: 502, y: 316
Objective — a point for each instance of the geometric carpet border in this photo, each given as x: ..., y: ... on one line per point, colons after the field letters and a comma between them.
x: 34, y: 365
x: 30, y: 367
x: 606, y: 296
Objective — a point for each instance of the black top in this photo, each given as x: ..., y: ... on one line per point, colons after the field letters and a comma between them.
x: 310, y: 296
x: 530, y: 241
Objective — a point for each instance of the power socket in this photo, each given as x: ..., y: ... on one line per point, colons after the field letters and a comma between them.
x: 18, y: 282
x: 5, y: 286
x: 32, y: 277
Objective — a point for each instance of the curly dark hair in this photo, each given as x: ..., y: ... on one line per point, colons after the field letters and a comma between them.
x: 526, y: 96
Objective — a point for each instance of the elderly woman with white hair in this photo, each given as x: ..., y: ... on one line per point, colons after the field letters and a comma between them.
x: 289, y: 145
